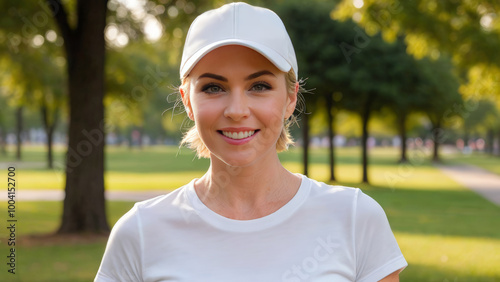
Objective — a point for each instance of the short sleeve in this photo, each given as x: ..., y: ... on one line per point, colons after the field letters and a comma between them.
x: 377, y: 252
x: 123, y: 255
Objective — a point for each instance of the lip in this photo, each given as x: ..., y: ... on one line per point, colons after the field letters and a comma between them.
x: 237, y: 141
x: 237, y: 129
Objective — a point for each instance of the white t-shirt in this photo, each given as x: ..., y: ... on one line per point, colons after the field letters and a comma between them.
x: 324, y: 233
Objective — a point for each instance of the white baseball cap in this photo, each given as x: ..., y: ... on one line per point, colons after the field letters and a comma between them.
x: 239, y: 24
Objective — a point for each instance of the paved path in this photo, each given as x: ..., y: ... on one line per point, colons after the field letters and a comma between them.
x: 58, y: 195
x: 483, y: 182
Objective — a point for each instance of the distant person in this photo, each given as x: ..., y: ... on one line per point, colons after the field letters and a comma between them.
x: 248, y: 219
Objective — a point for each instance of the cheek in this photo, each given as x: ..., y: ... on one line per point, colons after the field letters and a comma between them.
x: 205, y: 111
x: 272, y: 113
x: 273, y: 110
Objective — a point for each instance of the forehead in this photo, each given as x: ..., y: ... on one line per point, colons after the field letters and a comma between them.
x: 233, y: 58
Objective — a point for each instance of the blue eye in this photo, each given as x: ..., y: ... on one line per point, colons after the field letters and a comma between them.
x: 212, y: 88
x: 260, y: 86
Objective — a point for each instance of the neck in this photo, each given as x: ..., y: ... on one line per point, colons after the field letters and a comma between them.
x: 247, y: 192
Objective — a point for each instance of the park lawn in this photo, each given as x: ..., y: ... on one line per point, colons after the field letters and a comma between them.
x: 167, y: 168
x: 446, y: 232
x: 53, y: 259
x: 154, y: 168
x: 485, y: 161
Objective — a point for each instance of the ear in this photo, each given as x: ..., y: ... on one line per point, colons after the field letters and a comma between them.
x: 186, y: 102
x: 292, y: 101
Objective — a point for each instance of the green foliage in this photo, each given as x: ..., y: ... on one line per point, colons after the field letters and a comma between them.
x: 375, y: 73
x: 31, y: 59
x: 139, y: 72
x: 439, y: 86
x: 469, y: 31
x: 481, y: 115
x: 339, y: 60
x: 460, y: 28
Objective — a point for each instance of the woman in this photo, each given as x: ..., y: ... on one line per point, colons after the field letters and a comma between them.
x: 248, y: 218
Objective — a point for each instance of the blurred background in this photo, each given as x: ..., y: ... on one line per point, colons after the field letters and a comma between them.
x: 402, y: 100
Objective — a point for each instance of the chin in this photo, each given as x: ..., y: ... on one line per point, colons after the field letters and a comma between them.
x: 237, y: 159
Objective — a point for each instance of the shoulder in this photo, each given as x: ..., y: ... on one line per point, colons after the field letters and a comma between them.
x: 367, y: 207
x: 149, y: 211
x: 322, y: 189
x: 172, y: 199
x: 321, y: 192
x: 348, y: 200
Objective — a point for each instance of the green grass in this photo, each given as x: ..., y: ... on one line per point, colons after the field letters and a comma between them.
x: 62, y: 260
x: 155, y: 168
x: 446, y: 232
x: 485, y: 161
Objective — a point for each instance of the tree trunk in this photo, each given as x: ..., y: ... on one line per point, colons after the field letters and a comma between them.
x: 141, y: 131
x: 3, y: 141
x: 84, y: 204
x: 49, y: 131
x: 437, y: 136
x: 402, y: 135
x: 365, y: 117
x: 498, y: 142
x: 331, y: 135
x: 490, y: 139
x: 305, y: 142
x: 466, y: 136
x: 19, y: 132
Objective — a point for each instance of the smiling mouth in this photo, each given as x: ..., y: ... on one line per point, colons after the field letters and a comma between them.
x: 238, y: 135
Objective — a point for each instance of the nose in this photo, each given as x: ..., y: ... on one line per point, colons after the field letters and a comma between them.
x: 237, y: 107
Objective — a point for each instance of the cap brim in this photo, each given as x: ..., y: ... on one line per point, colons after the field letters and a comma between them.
x: 265, y: 51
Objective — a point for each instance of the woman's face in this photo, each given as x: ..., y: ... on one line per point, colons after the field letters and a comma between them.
x: 238, y: 100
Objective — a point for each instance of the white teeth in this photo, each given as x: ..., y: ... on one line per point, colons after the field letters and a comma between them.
x: 238, y: 135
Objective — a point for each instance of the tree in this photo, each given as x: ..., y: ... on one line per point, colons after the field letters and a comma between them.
x: 81, y: 29
x: 444, y: 102
x: 316, y: 40
x: 373, y: 82
x: 50, y: 95
x: 406, y: 78
x: 481, y: 118
x: 34, y: 61
x: 459, y: 28
x: 15, y: 91
x: 84, y: 209
x: 482, y: 84
x: 3, y: 124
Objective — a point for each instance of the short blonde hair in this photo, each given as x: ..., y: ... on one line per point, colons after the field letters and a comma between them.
x: 193, y: 140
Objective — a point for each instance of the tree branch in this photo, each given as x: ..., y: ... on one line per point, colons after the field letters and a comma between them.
x: 61, y: 17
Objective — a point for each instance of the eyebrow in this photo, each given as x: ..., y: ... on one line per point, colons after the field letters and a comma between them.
x: 252, y: 76
x: 214, y: 76
x: 259, y: 73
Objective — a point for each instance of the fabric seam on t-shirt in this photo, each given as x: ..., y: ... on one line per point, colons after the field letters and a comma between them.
x: 106, y: 278
x: 214, y: 219
x: 387, y: 264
